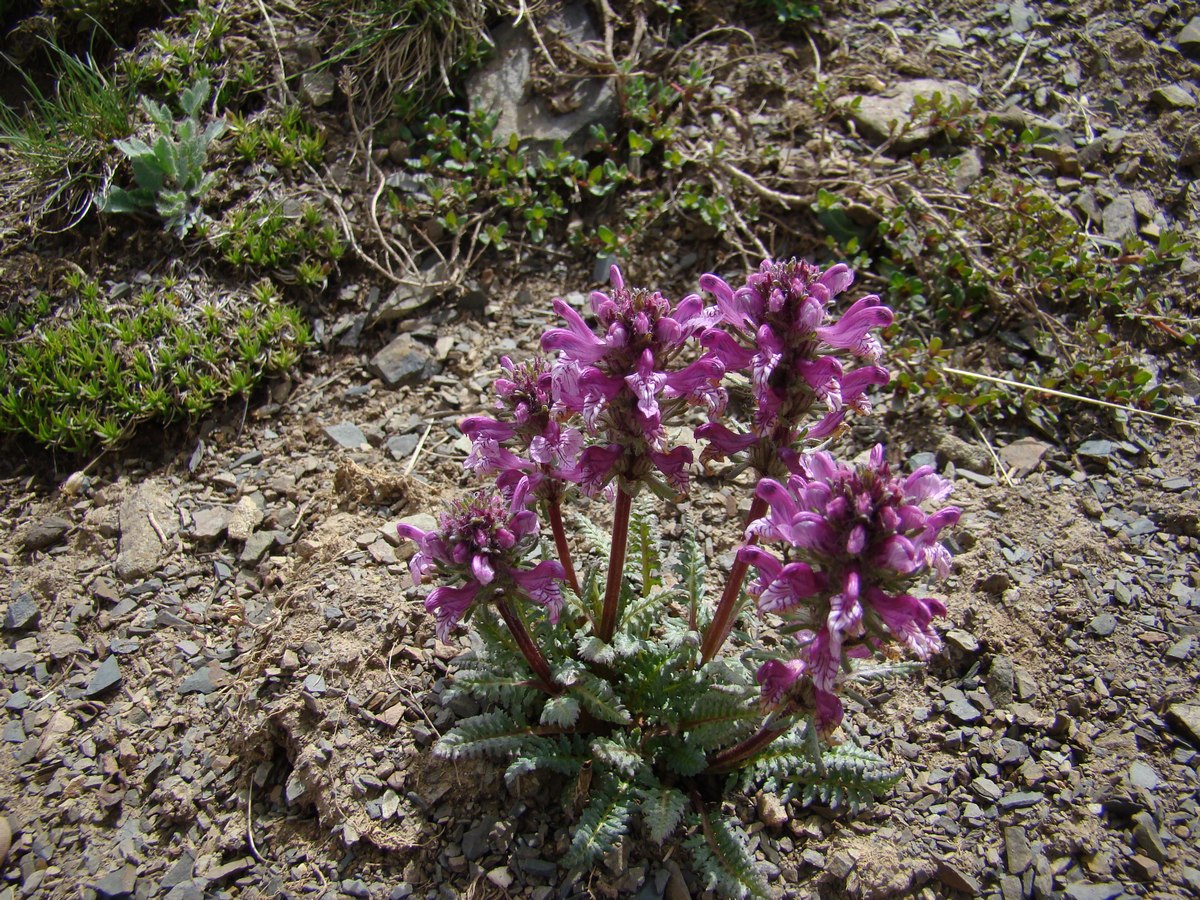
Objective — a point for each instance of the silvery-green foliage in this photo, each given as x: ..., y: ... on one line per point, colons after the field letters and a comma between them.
x: 169, y: 171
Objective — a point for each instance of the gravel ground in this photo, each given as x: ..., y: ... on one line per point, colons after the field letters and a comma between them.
x: 218, y: 682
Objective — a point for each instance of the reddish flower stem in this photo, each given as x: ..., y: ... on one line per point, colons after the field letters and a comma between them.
x: 554, y: 513
x: 616, y: 565
x: 731, y: 757
x: 722, y: 622
x: 528, y: 648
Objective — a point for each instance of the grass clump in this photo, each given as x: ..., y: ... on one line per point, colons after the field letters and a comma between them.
x: 60, y: 144
x: 87, y: 367
x: 406, y: 53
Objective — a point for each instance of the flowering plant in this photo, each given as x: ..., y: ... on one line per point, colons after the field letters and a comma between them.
x: 617, y: 680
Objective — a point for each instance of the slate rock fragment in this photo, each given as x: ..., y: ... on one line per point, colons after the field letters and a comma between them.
x: 44, y: 534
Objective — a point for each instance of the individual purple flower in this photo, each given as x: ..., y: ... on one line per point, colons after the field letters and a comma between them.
x: 855, y: 538
x: 626, y: 382
x: 785, y: 683
x: 530, y: 442
x: 782, y: 337
x: 481, y: 541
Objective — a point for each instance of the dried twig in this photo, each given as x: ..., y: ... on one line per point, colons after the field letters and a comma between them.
x: 1017, y: 68
x: 1133, y: 410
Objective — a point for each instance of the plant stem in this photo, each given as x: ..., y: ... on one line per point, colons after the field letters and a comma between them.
x: 528, y: 648
x: 722, y: 622
x: 731, y: 757
x: 616, y: 565
x: 554, y: 513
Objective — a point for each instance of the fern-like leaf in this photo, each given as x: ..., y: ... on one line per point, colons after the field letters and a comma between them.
x: 603, y: 821
x: 662, y: 810
x: 595, y: 650
x: 562, y: 711
x: 596, y: 695
x: 722, y: 857
x: 683, y: 757
x: 616, y: 754
x: 496, y: 733
x: 597, y: 539
x: 690, y: 570
x: 852, y: 777
x: 566, y: 756
x: 718, y: 718
x: 643, y: 533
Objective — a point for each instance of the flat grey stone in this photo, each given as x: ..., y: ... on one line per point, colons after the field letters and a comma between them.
x: 1188, y: 40
x: 317, y: 87
x: 117, y: 884
x: 475, y: 840
x: 1180, y: 650
x: 1001, y: 679
x: 1020, y: 800
x: 107, y: 675
x: 1103, y: 625
x: 1119, y: 219
x: 1021, y: 17
x: 348, y: 435
x: 502, y: 86
x: 16, y: 660
x: 1141, y: 775
x: 401, y: 446
x: 22, y: 613
x: 294, y: 789
x: 315, y: 684
x: 178, y: 873
x: 957, y: 878
x: 257, y: 545
x: 874, y: 115
x: 209, y: 524
x: 949, y: 38
x: 1173, y: 96
x: 963, y: 711
x: 1146, y: 836
x: 403, y: 362
x: 46, y: 533
x: 1082, y: 890
x: 418, y: 292
x: 141, y: 550
x: 204, y: 680
x: 186, y: 890
x: 1017, y: 850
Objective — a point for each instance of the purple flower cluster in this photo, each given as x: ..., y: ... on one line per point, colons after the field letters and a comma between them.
x: 546, y: 451
x: 777, y: 328
x: 625, y: 385
x: 855, y: 539
x: 480, y: 542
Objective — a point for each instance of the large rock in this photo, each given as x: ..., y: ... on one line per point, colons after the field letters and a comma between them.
x: 503, y: 85
x: 402, y: 362
x: 1189, y: 38
x: 144, y: 514
x: 874, y: 114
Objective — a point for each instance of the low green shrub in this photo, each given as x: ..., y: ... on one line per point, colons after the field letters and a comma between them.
x: 294, y: 244
x: 87, y: 367
x: 1004, y: 258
